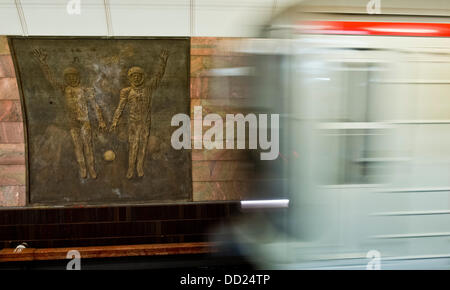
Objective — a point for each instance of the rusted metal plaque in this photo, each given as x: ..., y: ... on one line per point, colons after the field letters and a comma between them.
x: 98, y: 115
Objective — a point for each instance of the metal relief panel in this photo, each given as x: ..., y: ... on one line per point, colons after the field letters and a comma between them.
x: 98, y: 115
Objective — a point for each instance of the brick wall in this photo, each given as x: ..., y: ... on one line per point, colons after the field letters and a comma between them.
x: 216, y: 174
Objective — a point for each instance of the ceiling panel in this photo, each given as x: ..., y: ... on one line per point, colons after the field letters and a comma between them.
x: 9, y: 18
x: 150, y: 18
x: 51, y: 17
x: 231, y: 18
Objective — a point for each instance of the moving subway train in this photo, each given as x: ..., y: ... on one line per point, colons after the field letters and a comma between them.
x: 364, y: 100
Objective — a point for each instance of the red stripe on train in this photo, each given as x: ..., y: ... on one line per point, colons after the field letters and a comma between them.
x: 375, y: 28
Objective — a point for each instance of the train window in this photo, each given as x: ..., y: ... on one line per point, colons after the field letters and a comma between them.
x: 356, y: 95
x: 354, y: 141
x: 354, y: 156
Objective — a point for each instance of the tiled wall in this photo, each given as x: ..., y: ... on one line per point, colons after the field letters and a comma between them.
x: 216, y: 174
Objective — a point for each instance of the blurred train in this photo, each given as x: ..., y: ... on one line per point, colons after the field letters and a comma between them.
x: 363, y: 94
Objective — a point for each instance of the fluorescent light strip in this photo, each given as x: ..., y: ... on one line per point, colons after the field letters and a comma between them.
x: 272, y: 203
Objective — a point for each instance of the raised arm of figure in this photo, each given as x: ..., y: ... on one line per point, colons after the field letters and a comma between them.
x: 41, y: 57
x: 159, y: 73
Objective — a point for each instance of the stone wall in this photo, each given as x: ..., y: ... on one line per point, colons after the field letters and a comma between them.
x: 218, y: 174
x: 12, y: 147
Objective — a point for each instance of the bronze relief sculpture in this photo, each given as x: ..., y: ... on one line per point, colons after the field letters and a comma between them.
x: 77, y: 99
x: 72, y: 88
x: 138, y: 96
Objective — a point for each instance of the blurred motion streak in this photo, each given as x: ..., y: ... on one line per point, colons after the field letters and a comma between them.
x: 364, y: 105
